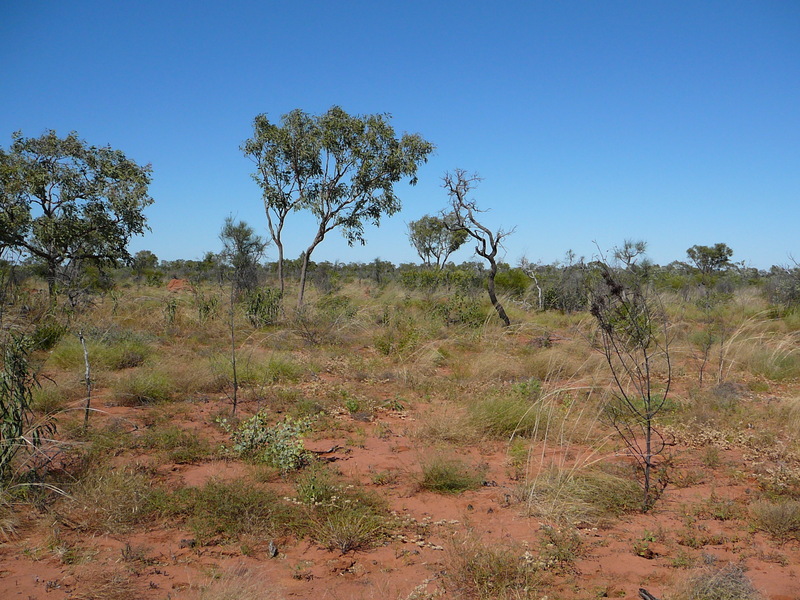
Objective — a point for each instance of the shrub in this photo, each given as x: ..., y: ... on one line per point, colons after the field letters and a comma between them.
x: 19, y: 430
x: 279, y: 445
x: 450, y: 476
x: 262, y: 306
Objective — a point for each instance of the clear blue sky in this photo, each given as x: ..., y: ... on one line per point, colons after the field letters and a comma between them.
x: 674, y: 122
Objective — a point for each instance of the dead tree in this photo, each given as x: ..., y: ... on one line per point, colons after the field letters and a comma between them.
x: 464, y: 218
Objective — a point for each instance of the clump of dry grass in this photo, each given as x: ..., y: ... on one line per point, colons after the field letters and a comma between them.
x: 728, y: 582
x: 97, y: 584
x: 586, y: 496
x: 449, y: 475
x: 779, y: 519
x: 449, y: 424
x: 110, y: 500
x: 239, y: 584
x: 479, y: 570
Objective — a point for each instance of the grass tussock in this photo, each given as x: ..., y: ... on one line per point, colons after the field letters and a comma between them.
x: 144, y: 386
x: 728, y: 582
x: 479, y: 570
x: 97, y: 584
x: 580, y: 496
x: 516, y: 412
x: 447, y: 475
x: 178, y: 445
x: 780, y: 519
x: 340, y: 517
x: 239, y: 584
x: 229, y: 509
x: 111, y: 500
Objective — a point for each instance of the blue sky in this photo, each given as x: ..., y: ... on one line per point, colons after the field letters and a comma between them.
x: 673, y: 122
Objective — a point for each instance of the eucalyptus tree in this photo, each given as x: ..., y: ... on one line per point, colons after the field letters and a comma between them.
x: 433, y: 240
x: 464, y: 212
x: 339, y: 167
x: 65, y: 203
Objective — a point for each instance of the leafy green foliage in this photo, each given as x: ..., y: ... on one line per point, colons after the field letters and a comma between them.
x: 241, y: 250
x: 339, y: 167
x: 434, y: 239
x: 18, y: 428
x: 279, y: 445
x: 66, y: 203
x: 262, y: 306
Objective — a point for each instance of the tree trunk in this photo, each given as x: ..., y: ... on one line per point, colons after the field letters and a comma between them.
x: 304, y: 267
x: 280, y: 264
x: 493, y: 296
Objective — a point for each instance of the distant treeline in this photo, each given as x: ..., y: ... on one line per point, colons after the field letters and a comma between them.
x: 560, y: 286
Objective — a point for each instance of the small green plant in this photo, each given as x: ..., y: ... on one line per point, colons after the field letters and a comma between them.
x: 19, y: 428
x: 279, y: 445
x: 207, y: 308
x: 450, y: 476
x: 170, y: 311
x: 262, y: 306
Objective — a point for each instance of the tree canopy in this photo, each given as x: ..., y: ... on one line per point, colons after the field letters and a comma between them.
x: 433, y: 240
x: 710, y: 259
x: 64, y: 202
x: 340, y: 167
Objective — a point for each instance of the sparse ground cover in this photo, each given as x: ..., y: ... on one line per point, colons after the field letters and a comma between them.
x: 400, y: 443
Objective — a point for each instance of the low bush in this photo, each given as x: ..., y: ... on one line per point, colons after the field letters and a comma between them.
x: 279, y: 445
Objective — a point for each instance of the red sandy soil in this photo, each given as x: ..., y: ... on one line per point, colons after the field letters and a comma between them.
x: 616, y: 561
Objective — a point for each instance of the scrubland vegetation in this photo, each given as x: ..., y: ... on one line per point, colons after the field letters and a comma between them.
x: 394, y: 434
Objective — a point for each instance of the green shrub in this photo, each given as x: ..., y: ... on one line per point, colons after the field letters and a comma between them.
x: 279, y: 445
x: 450, y: 476
x: 262, y: 306
x: 47, y: 334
